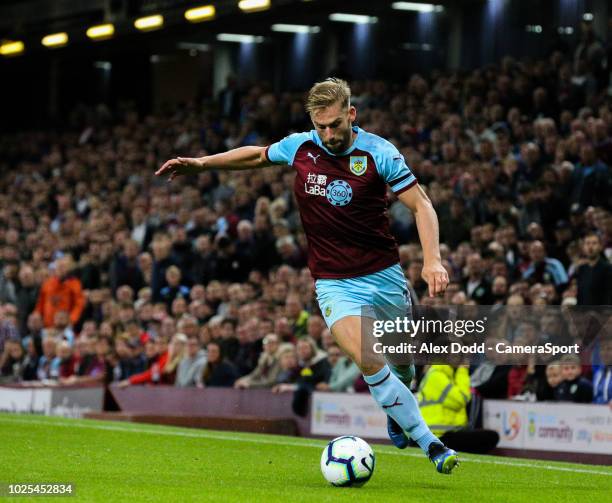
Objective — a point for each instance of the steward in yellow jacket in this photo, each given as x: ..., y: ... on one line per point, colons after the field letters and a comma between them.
x: 443, y: 396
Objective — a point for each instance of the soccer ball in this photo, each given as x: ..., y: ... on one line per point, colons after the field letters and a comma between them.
x: 347, y: 461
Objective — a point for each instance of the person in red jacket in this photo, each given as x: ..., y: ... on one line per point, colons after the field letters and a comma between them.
x: 163, y: 369
x: 61, y: 292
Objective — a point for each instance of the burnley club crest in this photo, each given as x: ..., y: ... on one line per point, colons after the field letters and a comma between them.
x: 358, y: 164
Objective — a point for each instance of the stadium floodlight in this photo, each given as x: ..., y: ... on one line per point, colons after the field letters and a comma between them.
x: 149, y: 22
x: 295, y: 28
x: 101, y: 31
x: 192, y: 46
x: 352, y: 18
x: 55, y: 40
x: 239, y: 38
x: 253, y: 5
x: 417, y: 7
x: 12, y: 48
x: 103, y: 65
x: 534, y: 28
x: 202, y: 13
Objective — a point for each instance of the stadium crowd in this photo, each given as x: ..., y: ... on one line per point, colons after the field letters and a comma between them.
x: 109, y: 274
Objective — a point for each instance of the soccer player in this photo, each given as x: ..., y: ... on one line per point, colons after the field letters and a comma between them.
x: 341, y: 178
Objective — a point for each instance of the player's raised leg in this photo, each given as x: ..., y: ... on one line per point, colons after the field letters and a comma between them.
x: 353, y: 335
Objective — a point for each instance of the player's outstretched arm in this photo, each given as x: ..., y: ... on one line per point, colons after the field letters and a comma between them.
x: 238, y: 158
x: 434, y: 272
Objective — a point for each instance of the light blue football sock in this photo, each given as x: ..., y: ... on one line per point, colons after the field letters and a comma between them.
x: 398, y: 402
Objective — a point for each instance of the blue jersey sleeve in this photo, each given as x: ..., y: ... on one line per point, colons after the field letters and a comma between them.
x: 390, y: 163
x: 283, y: 152
x: 396, y: 172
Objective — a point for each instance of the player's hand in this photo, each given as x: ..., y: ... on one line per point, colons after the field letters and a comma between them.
x: 436, y: 278
x: 180, y: 166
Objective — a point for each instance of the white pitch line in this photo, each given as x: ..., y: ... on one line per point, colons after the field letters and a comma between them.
x: 254, y: 440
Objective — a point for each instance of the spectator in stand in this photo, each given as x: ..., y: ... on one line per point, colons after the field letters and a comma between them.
x: 543, y: 269
x: 99, y: 368
x: 158, y: 352
x: 526, y: 380
x: 8, y: 282
x: 554, y: 378
x: 124, y: 268
x: 150, y: 352
x: 573, y: 387
x: 289, y: 368
x: 444, y: 393
x: 61, y: 292
x: 192, y: 365
x: 176, y: 352
x: 12, y: 362
x: 591, y: 179
x: 27, y: 296
x: 162, y: 260
x: 602, y: 373
x: 125, y: 365
x: 327, y: 339
x: 35, y: 331
x: 594, y: 276
x: 314, y: 369
x: 61, y: 326
x: 476, y: 285
x: 85, y: 352
x: 314, y: 365
x: 455, y: 222
x: 68, y: 362
x: 499, y: 290
x: 268, y: 366
x: 490, y: 378
x: 8, y: 331
x: 296, y: 315
x: 343, y: 372
x: 9, y: 313
x: 48, y: 364
x: 188, y: 325
x: 30, y: 364
x: 249, y: 347
x: 218, y: 372
x: 174, y: 288
x: 315, y: 328
x: 228, y: 342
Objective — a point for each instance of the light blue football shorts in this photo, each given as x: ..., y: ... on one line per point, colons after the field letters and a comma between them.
x: 383, y: 292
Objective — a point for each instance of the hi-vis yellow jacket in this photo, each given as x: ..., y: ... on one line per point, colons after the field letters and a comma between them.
x: 443, y: 395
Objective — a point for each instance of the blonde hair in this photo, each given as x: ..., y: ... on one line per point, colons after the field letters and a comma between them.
x: 326, y: 93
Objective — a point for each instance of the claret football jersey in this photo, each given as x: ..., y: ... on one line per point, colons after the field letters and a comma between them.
x: 342, y: 200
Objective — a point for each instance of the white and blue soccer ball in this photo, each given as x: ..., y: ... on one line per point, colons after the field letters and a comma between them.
x: 347, y: 461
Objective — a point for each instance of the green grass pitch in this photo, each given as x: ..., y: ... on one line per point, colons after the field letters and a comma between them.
x: 109, y: 461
